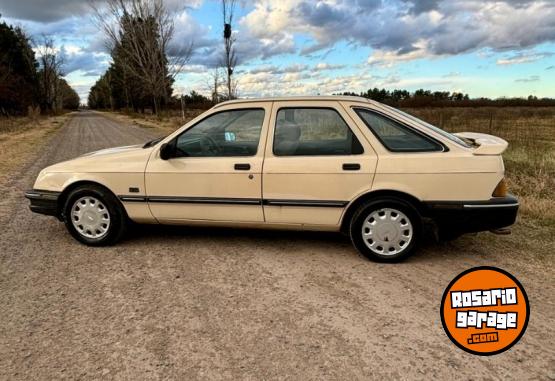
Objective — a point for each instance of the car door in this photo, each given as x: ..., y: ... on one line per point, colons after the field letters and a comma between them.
x: 317, y: 161
x: 214, y: 172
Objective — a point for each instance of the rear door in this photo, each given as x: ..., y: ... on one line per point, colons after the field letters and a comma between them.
x: 317, y: 161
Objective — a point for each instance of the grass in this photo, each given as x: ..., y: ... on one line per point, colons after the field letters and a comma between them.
x: 20, y: 138
x: 168, y: 122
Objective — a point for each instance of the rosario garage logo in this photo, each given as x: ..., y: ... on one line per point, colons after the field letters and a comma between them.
x: 485, y: 311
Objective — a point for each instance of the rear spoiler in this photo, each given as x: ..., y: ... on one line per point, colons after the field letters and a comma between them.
x: 484, y: 144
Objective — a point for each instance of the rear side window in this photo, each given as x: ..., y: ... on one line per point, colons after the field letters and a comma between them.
x: 313, y: 132
x: 395, y: 136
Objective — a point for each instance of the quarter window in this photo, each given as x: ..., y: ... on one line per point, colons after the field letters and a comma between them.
x: 396, y: 136
x: 227, y: 133
x: 313, y: 132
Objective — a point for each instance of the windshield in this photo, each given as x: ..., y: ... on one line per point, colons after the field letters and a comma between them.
x: 153, y: 142
x: 429, y: 126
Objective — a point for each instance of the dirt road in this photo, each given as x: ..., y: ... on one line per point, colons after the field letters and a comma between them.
x: 182, y: 303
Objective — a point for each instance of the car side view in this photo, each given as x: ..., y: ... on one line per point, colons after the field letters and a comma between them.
x: 316, y: 163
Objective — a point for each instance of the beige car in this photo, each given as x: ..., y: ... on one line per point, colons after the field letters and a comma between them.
x: 316, y: 163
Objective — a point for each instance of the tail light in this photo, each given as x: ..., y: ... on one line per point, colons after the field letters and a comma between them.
x: 501, y: 190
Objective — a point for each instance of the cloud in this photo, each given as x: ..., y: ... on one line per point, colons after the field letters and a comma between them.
x: 401, y: 30
x: 532, y: 78
x: 323, y: 66
x: 421, y: 6
x: 55, y: 10
x: 552, y: 67
x: 188, y: 32
x: 43, y: 10
x: 524, y: 57
x: 295, y: 68
x: 297, y: 83
x: 388, y: 58
x: 77, y: 59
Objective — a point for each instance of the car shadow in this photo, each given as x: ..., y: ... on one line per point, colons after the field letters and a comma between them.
x: 430, y: 249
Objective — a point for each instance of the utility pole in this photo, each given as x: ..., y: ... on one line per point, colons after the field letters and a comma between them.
x: 228, y: 8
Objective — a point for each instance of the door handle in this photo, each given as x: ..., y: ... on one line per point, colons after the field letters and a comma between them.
x: 351, y: 167
x: 242, y: 167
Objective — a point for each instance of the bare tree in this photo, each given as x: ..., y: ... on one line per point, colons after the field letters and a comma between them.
x: 141, y: 31
x: 230, y: 59
x: 51, y: 63
x: 213, y: 84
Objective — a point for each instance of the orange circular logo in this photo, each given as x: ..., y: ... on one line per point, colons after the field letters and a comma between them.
x: 485, y: 310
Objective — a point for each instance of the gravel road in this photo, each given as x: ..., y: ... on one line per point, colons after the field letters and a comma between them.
x: 184, y: 303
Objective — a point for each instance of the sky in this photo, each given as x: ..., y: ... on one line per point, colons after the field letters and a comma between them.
x: 489, y: 48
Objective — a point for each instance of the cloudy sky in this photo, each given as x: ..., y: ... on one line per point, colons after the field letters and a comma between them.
x: 487, y: 48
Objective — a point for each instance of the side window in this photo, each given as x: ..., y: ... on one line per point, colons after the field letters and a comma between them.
x: 313, y: 132
x: 227, y: 133
x: 395, y: 136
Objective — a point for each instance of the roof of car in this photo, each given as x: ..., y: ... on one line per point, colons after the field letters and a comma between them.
x: 298, y: 98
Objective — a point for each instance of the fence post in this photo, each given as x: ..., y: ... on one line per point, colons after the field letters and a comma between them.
x: 491, y: 123
x: 182, y: 109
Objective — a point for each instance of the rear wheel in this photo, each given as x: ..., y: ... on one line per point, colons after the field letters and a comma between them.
x: 386, y: 230
x: 94, y: 216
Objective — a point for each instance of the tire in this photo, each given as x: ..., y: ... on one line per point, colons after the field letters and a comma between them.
x: 387, y: 229
x: 94, y: 216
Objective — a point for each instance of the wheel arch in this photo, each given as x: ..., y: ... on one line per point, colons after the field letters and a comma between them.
x: 69, y: 188
x: 372, y: 195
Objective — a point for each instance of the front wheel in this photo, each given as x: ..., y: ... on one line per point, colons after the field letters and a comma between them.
x: 386, y: 230
x: 94, y: 216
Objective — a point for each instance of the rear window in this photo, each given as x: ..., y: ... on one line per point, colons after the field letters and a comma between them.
x: 395, y: 136
x: 445, y: 134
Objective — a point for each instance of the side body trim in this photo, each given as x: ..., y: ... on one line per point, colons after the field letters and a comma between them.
x: 233, y: 201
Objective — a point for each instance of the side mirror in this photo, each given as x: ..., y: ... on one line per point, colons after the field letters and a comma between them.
x: 166, y: 151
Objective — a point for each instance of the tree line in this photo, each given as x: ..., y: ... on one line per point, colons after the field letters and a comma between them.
x: 31, y: 84
x: 429, y: 98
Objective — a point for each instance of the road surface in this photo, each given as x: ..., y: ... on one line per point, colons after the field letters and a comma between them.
x: 184, y: 303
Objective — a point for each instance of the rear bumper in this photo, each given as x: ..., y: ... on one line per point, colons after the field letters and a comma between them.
x: 43, y: 202
x: 474, y: 216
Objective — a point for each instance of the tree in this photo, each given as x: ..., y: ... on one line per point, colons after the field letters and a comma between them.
x: 69, y: 97
x: 100, y: 94
x: 230, y: 59
x: 18, y: 71
x: 213, y: 85
x: 50, y: 72
x: 139, y: 33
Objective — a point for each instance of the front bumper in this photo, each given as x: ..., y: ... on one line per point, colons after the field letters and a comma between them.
x: 43, y: 202
x: 474, y: 216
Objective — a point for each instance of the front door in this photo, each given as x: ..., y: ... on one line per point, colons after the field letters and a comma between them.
x: 215, y: 170
x: 317, y: 161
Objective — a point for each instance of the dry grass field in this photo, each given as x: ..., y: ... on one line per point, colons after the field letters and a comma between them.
x: 22, y: 137
x: 167, y: 123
